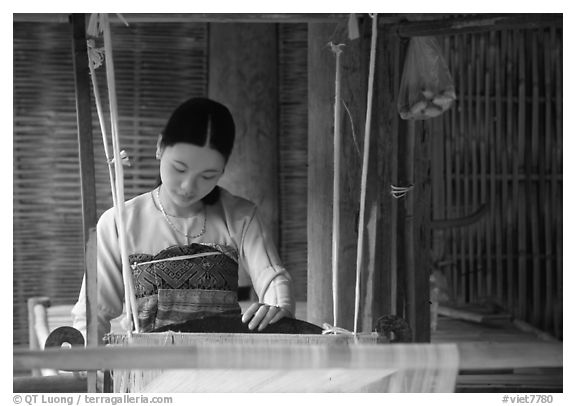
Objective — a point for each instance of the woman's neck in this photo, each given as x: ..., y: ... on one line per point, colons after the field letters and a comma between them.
x: 173, y: 210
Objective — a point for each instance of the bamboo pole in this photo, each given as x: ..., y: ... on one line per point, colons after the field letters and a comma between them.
x: 129, y: 295
x: 337, y: 49
x: 231, y: 356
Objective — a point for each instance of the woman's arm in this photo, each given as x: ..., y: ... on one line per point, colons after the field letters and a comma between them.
x: 271, y: 281
x: 110, y: 284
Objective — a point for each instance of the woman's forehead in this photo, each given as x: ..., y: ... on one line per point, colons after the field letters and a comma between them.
x: 193, y: 156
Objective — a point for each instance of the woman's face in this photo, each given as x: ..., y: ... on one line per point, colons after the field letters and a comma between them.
x: 188, y: 173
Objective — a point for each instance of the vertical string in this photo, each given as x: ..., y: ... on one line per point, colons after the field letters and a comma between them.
x: 360, y: 249
x: 130, y: 300
x: 93, y: 63
x: 337, y: 49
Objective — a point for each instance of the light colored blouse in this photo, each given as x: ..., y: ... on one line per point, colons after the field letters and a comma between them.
x: 232, y: 222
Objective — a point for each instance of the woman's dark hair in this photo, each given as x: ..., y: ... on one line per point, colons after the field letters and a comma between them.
x: 197, y: 121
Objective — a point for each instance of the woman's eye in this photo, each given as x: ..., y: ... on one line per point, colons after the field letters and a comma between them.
x: 179, y: 170
x: 208, y: 177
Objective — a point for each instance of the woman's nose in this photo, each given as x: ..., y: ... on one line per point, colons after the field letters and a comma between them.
x: 188, y: 184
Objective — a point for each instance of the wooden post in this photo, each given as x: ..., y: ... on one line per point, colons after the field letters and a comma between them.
x: 243, y: 76
x: 414, y: 213
x: 320, y: 159
x: 87, y: 177
x: 381, y: 284
x: 419, y: 306
x: 405, y: 248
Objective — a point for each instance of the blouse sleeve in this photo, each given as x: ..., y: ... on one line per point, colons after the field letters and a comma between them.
x: 258, y: 255
x: 110, y: 283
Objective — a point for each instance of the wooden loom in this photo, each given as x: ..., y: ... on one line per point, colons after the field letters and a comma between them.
x: 196, y: 353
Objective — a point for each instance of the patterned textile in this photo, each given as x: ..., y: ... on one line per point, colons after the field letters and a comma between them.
x: 183, y: 283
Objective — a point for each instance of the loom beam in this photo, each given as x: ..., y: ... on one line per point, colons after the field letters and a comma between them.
x: 472, y: 356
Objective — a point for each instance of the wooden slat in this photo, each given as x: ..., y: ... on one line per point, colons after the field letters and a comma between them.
x: 546, y: 187
x: 451, y: 165
x: 510, y: 280
x: 557, y: 192
x: 473, y: 181
x: 462, y: 268
x: 481, y: 235
x: 488, y: 165
x: 478, y: 23
x: 520, y: 188
x: 535, y: 189
x: 500, y: 203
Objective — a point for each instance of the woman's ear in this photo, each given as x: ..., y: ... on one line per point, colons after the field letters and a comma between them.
x: 159, y: 148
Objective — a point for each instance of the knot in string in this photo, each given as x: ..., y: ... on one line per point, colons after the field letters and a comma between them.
x: 400, y: 191
x: 330, y: 329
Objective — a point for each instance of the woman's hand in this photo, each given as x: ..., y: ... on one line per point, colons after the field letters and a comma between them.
x: 260, y: 315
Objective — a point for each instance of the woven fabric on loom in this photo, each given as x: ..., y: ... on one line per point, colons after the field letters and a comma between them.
x: 435, y: 371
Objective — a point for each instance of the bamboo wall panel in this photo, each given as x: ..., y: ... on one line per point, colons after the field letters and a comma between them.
x: 157, y: 67
x: 502, y: 144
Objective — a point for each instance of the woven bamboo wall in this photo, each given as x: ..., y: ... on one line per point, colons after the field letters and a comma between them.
x: 501, y: 145
x: 157, y: 67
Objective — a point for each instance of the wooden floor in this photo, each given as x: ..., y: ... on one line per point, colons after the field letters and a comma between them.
x: 536, y: 380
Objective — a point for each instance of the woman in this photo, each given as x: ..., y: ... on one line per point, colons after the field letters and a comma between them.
x: 187, y: 237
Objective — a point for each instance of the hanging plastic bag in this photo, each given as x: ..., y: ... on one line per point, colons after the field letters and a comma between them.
x: 426, y: 88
